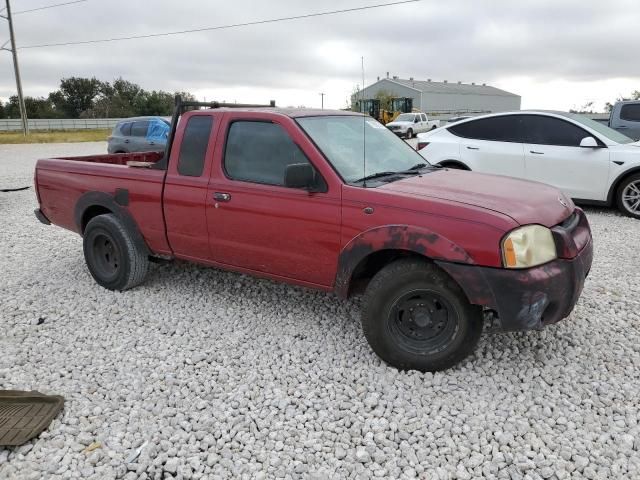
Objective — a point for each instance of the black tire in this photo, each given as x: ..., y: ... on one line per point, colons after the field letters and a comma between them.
x: 388, y: 314
x: 113, y: 258
x: 629, y: 188
x: 454, y: 166
x: 409, y: 134
x: 434, y: 127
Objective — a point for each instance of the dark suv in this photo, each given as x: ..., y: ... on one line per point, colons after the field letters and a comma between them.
x: 139, y: 134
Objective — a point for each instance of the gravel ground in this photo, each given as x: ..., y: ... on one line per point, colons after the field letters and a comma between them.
x: 205, y: 374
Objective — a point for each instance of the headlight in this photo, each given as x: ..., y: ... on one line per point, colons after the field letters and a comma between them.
x: 528, y: 246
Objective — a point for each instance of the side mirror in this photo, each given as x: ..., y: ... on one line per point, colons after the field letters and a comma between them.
x: 300, y: 175
x: 589, y: 142
x: 416, y: 120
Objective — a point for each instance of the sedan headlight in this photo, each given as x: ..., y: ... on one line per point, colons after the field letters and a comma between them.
x: 528, y: 246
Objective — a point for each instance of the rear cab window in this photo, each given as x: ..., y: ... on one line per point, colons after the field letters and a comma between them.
x: 630, y: 112
x: 193, y: 149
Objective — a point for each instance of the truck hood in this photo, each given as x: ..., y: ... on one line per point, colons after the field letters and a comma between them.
x: 524, y: 201
x: 399, y: 124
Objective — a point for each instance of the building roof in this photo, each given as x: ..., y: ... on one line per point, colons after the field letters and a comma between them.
x: 450, y: 87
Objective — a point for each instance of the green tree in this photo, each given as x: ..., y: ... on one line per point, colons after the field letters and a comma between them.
x: 157, y: 102
x: 3, y: 113
x: 76, y: 95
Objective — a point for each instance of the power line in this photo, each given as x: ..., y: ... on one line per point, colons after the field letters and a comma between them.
x: 223, y: 27
x: 49, y: 6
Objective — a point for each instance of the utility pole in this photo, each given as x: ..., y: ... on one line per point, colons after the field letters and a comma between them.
x: 321, y: 96
x: 14, y: 51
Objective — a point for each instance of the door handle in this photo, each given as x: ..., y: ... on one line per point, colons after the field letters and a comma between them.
x: 126, y: 140
x: 536, y: 153
x: 221, y: 197
x: 152, y: 143
x: 473, y: 148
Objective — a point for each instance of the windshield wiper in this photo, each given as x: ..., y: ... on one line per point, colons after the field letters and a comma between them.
x: 409, y: 171
x: 376, y: 175
x: 417, y: 166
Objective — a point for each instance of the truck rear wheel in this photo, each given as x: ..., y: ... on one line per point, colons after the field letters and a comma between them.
x: 113, y: 258
x: 415, y: 317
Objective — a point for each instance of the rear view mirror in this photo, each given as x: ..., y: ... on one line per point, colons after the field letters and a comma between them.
x: 589, y: 142
x: 299, y: 175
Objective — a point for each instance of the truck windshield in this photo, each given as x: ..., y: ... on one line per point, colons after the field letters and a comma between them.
x: 405, y: 117
x: 601, y: 128
x: 345, y: 139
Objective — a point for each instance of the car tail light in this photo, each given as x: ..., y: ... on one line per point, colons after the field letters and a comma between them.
x: 421, y: 145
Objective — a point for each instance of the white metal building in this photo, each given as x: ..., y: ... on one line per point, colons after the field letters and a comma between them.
x: 429, y: 96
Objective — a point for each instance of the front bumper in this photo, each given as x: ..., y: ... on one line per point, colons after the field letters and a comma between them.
x: 530, y: 298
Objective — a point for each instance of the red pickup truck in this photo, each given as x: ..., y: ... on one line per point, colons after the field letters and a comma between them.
x: 334, y: 201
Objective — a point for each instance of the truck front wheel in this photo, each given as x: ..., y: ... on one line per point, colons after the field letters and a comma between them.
x: 415, y: 317
x: 113, y: 258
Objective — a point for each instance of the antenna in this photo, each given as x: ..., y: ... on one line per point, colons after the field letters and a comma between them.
x: 364, y: 131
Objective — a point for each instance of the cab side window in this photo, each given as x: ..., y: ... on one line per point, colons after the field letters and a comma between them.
x: 259, y: 152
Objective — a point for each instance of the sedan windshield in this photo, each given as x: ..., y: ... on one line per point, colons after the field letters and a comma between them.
x: 601, y: 128
x: 405, y: 117
x: 360, y: 147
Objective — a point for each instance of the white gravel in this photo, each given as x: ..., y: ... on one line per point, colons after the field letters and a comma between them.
x: 205, y: 374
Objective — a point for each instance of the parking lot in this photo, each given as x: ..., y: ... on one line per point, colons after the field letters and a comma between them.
x: 200, y: 373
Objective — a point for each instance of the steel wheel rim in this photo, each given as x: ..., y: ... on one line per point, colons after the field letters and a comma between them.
x: 631, y: 197
x: 106, y: 256
x: 423, y: 321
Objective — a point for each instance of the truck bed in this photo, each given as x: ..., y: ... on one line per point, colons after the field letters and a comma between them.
x: 61, y: 182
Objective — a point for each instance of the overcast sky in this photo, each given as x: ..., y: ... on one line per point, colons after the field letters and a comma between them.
x: 556, y: 54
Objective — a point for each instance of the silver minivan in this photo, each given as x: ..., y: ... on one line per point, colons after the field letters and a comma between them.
x: 139, y: 134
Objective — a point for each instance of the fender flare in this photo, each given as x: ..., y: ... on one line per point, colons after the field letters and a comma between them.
x: 611, y: 200
x: 418, y: 240
x: 113, y: 203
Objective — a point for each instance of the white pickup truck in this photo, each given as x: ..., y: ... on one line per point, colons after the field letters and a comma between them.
x: 410, y: 124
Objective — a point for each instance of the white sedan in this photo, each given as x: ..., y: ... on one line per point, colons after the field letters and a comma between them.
x: 589, y: 161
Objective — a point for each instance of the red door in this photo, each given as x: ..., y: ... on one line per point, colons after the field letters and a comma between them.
x: 185, y: 191
x: 258, y: 224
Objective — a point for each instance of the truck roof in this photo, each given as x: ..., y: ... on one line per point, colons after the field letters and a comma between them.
x: 293, y: 112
